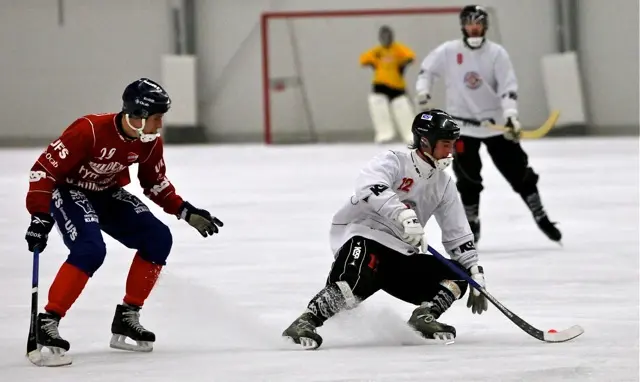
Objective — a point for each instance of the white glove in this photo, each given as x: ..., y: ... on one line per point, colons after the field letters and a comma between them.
x: 513, y: 125
x: 413, y: 230
x: 422, y: 99
x: 476, y: 301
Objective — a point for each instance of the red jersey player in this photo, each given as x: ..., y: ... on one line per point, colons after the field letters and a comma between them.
x: 77, y: 183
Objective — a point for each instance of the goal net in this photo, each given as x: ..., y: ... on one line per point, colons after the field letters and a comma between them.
x: 314, y: 89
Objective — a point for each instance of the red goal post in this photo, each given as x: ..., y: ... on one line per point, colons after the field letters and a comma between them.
x: 314, y: 89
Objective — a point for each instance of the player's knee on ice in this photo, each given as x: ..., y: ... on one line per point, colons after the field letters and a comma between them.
x: 88, y: 255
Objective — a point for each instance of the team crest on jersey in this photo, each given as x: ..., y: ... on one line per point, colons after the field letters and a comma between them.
x: 472, y: 80
x: 106, y: 168
x: 90, y: 215
x: 125, y: 196
x: 132, y: 157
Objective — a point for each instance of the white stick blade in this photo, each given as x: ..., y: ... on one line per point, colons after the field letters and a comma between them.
x: 564, y: 335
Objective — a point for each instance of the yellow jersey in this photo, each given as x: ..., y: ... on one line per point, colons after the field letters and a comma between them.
x: 388, y: 64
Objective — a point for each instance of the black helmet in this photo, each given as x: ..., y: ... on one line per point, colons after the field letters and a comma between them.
x: 385, y: 35
x: 145, y: 97
x: 432, y: 125
x: 474, y: 14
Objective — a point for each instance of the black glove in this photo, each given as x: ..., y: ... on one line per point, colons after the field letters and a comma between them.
x: 199, y: 219
x: 38, y: 231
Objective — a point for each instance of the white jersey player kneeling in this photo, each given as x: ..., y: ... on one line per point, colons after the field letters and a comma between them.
x: 377, y: 236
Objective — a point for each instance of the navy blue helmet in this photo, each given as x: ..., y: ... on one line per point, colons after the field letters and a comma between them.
x: 143, y: 98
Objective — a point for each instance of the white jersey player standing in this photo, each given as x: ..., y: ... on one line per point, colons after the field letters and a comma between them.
x: 481, y: 86
x: 377, y: 235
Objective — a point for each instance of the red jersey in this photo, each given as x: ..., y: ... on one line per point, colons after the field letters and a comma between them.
x: 92, y: 154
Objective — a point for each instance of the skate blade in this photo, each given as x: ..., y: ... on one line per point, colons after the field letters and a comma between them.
x: 444, y: 338
x: 438, y: 338
x: 304, y: 342
x: 118, y: 341
x: 55, y: 357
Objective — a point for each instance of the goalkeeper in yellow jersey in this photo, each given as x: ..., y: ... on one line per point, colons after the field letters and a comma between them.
x: 388, y: 98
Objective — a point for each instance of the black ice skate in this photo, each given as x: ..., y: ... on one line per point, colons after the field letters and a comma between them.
x: 423, y: 319
x: 542, y: 220
x: 302, y: 331
x: 549, y: 228
x: 126, y: 324
x: 48, y: 337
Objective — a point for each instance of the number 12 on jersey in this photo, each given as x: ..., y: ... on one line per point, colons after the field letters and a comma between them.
x: 406, y: 185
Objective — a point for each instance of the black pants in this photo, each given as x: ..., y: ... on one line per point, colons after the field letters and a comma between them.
x: 391, y: 93
x: 508, y: 157
x: 368, y: 266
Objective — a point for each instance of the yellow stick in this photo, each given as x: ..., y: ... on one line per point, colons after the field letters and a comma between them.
x: 536, y: 133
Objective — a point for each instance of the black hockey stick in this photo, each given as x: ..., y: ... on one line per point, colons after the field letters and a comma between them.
x: 32, y: 339
x: 561, y: 336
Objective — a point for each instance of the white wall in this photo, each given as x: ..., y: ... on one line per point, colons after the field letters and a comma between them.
x: 51, y: 74
x: 228, y: 46
x: 609, y: 59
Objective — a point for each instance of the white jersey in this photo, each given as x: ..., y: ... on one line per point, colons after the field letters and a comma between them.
x: 480, y: 83
x: 391, y: 183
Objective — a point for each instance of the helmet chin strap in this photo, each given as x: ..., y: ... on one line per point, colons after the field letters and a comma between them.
x: 141, y: 135
x: 438, y: 164
x: 441, y: 164
x: 427, y: 167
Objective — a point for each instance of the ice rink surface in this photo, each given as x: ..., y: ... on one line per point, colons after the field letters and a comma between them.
x: 221, y: 303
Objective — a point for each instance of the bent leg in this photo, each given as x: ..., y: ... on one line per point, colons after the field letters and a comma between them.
x: 78, y: 224
x: 423, y: 280
x: 351, y: 280
x: 513, y: 164
x: 129, y: 221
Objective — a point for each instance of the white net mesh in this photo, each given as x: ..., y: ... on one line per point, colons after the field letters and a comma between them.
x: 318, y: 91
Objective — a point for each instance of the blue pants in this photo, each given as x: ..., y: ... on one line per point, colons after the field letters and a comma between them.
x: 82, y: 216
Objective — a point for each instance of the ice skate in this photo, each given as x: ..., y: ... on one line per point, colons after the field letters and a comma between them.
x: 542, y: 220
x: 549, y: 228
x: 49, y: 338
x: 126, y: 324
x: 302, y: 331
x: 423, y: 320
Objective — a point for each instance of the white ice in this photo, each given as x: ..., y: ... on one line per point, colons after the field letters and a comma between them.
x: 222, y: 303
